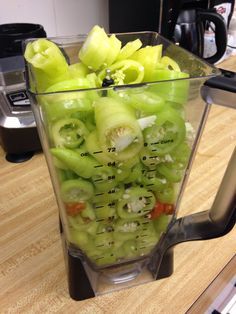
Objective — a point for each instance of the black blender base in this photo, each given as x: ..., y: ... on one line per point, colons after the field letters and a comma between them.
x: 19, y: 144
x: 18, y: 158
x: 79, y: 284
x: 167, y: 265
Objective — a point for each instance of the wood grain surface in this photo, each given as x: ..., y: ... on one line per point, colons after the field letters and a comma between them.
x: 222, y: 290
x: 33, y: 277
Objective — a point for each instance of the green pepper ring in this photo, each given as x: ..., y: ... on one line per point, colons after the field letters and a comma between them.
x: 164, y: 146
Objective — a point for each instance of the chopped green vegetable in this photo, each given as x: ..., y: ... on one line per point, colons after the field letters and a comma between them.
x: 119, y: 152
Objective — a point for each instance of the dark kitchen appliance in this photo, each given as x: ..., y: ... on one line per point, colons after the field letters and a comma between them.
x: 114, y: 242
x: 18, y: 132
x: 190, y: 30
x: 183, y: 22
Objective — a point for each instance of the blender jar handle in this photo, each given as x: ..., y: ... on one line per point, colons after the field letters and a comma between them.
x: 221, y: 89
x: 220, y: 33
x: 213, y: 223
x: 225, y: 82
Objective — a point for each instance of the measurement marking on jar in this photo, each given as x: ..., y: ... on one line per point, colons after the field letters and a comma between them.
x: 98, y: 166
x: 98, y: 152
x: 150, y: 184
x: 97, y: 233
x: 99, y: 220
x: 154, y: 150
x: 98, y: 258
x: 98, y: 194
x: 163, y: 142
x: 101, y: 245
x: 98, y: 180
x: 100, y: 206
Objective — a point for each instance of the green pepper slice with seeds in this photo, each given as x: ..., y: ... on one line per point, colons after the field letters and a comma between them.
x: 69, y: 133
x: 166, y: 134
x: 136, y: 202
x: 76, y: 190
x: 119, y: 133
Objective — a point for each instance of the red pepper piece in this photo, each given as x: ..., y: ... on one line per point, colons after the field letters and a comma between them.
x: 162, y: 208
x: 169, y: 209
x: 74, y: 209
x: 158, y: 209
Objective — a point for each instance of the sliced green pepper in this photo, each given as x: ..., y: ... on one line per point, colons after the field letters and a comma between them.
x: 166, y: 195
x: 136, y: 202
x: 103, y: 178
x: 62, y: 105
x: 124, y: 72
x: 148, y: 57
x: 106, y: 258
x: 76, y: 190
x: 146, y: 102
x: 176, y: 89
x: 77, y: 161
x: 148, y: 238
x: 119, y: 134
x: 67, y: 85
x: 95, y: 150
x: 115, y: 47
x: 130, y: 249
x: 78, y: 70
x: 171, y: 171
x: 160, y: 224
x: 69, y: 174
x: 127, y: 229
x: 103, y: 211
x: 129, y: 49
x: 153, y: 181
x: 181, y: 155
x: 108, y: 196
x: 80, y: 238
x: 88, y: 212
x: 77, y: 223
x: 135, y: 174
x: 92, y: 53
x: 48, y: 64
x: 166, y: 134
x: 69, y: 133
x: 170, y: 64
x: 149, y: 157
x: 104, y: 241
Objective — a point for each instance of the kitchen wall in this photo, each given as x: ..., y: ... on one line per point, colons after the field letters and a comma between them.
x: 59, y: 17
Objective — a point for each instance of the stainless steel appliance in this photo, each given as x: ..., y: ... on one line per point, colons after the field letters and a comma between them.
x: 18, y: 133
x: 184, y: 22
x: 191, y: 27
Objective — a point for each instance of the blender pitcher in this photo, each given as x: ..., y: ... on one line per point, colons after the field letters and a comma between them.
x: 119, y: 157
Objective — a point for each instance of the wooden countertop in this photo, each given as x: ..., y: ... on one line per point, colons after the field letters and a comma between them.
x: 33, y: 277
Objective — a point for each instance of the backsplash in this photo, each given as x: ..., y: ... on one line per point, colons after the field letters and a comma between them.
x: 59, y: 17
